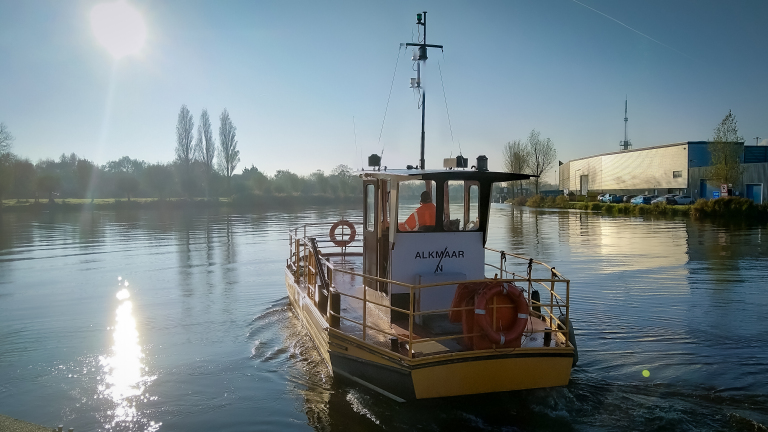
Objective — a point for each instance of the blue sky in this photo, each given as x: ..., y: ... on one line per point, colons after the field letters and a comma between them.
x: 293, y: 74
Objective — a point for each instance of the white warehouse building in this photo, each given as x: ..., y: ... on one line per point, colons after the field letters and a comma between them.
x: 672, y: 168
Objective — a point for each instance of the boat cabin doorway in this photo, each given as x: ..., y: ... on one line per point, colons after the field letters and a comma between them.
x: 376, y: 193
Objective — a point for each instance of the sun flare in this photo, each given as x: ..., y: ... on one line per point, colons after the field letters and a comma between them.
x: 119, y: 27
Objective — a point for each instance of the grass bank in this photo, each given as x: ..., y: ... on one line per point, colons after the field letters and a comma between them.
x: 15, y: 425
x: 725, y: 208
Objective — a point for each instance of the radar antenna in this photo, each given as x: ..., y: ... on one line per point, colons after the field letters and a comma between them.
x: 419, y: 56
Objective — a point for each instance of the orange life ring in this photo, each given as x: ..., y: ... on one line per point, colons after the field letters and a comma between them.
x: 483, y: 320
x: 352, y: 233
x: 465, y: 293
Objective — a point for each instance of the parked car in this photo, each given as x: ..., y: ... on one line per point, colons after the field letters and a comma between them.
x: 607, y: 198
x: 667, y: 199
x: 628, y: 198
x: 600, y: 197
x: 684, y: 200
x: 617, y: 199
x: 644, y: 199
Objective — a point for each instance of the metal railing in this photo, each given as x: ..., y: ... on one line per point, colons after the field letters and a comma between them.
x: 305, y: 265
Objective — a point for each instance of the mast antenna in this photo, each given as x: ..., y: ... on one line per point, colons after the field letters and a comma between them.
x: 419, y: 56
x: 626, y: 144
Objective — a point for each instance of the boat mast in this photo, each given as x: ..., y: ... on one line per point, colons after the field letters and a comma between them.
x: 420, y: 55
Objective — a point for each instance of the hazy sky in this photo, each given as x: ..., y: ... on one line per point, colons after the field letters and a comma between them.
x: 293, y: 74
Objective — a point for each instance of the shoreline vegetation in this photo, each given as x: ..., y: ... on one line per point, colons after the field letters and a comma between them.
x: 193, y: 178
x: 727, y: 207
x: 237, y: 202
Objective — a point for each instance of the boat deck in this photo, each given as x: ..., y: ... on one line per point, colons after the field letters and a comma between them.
x: 436, y: 326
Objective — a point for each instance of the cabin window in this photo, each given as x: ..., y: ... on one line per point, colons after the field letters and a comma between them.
x: 453, y: 202
x: 471, y: 206
x: 460, y: 200
x: 370, y: 207
x: 677, y: 174
x: 411, y: 214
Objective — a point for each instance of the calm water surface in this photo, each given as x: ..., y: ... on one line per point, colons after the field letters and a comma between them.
x: 177, y: 321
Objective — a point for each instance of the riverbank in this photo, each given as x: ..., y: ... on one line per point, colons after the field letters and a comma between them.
x: 239, y: 202
x: 725, y: 208
x: 10, y: 424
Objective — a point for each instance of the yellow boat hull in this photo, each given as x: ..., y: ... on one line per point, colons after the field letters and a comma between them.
x: 453, y: 374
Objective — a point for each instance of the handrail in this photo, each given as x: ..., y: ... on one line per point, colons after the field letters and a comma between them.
x: 302, y: 256
x: 548, y: 307
x: 437, y: 284
x: 524, y: 258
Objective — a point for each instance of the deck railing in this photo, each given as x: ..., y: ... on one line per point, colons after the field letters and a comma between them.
x: 304, y: 264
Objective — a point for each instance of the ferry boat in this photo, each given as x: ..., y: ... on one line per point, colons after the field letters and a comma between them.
x: 410, y: 302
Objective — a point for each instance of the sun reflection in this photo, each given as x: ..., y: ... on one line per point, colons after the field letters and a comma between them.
x: 124, y: 374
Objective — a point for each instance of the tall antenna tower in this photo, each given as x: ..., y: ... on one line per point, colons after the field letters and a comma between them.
x: 626, y: 144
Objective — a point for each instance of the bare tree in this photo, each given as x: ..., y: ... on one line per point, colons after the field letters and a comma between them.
x: 542, y: 156
x: 726, y: 152
x: 6, y: 161
x: 516, y: 160
x: 205, y: 148
x: 185, y: 126
x: 229, y: 156
x: 6, y: 139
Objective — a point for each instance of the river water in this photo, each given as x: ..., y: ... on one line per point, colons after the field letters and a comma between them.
x: 176, y: 321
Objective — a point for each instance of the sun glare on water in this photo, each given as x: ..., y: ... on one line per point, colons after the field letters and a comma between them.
x: 119, y: 27
x: 125, y: 378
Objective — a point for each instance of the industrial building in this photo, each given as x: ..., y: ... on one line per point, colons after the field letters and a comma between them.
x: 678, y: 168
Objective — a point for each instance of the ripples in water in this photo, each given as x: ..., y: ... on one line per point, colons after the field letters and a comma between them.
x: 214, y: 344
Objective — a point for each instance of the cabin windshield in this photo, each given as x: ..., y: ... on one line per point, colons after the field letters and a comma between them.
x: 412, y: 214
x: 460, y: 202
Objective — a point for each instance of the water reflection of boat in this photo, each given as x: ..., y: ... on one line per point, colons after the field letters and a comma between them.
x: 409, y: 311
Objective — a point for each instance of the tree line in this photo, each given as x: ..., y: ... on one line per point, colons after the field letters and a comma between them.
x: 200, y: 169
x: 203, y: 151
x: 535, y: 156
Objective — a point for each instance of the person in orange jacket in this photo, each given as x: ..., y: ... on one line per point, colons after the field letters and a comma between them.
x: 424, y: 216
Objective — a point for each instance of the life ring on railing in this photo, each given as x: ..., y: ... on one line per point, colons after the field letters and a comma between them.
x: 482, y: 319
x: 352, y: 233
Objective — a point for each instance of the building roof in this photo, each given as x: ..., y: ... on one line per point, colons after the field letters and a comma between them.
x: 643, y: 149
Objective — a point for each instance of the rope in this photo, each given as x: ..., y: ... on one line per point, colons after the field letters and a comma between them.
x: 394, y: 73
x: 354, y: 130
x: 450, y: 127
